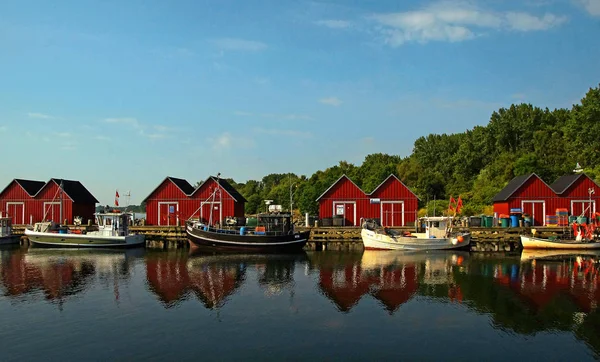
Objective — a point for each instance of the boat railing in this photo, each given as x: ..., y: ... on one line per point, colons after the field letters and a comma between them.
x: 247, y: 232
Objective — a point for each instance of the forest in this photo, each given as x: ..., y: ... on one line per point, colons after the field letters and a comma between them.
x: 474, y: 165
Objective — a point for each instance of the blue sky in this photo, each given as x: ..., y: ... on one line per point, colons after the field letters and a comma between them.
x: 120, y: 94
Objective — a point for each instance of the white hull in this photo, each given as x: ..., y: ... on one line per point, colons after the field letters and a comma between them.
x: 83, y: 240
x: 377, y: 241
x: 530, y: 242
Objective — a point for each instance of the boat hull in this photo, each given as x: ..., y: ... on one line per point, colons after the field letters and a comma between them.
x: 10, y: 239
x: 530, y: 242
x: 254, y: 243
x: 377, y: 241
x: 83, y: 240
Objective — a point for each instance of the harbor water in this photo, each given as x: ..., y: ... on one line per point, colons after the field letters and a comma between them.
x: 137, y: 304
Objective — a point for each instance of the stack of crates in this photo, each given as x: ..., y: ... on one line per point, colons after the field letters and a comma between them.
x: 551, y: 220
x: 562, y: 217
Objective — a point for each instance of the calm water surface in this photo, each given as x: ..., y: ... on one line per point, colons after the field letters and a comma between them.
x: 173, y: 305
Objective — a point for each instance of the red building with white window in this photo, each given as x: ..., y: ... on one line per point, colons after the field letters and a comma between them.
x: 578, y: 193
x: 391, y: 202
x: 29, y: 201
x: 530, y: 194
x: 174, y: 201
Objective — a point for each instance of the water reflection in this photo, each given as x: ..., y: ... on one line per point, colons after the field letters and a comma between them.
x: 59, y: 274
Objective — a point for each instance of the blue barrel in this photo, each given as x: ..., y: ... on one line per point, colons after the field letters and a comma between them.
x: 62, y: 231
x: 514, y: 221
x: 243, y: 230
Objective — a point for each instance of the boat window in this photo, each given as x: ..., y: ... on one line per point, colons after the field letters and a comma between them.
x: 435, y: 224
x: 3, y: 223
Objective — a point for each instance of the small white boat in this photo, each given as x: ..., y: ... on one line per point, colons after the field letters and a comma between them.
x: 113, y: 231
x: 531, y: 242
x: 6, y: 235
x: 438, y: 235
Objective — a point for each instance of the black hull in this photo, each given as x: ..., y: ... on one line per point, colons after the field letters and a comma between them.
x: 208, y: 240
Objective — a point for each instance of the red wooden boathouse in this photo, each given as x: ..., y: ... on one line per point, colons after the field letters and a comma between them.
x: 391, y: 202
x: 394, y: 203
x: 33, y: 201
x: 174, y: 201
x: 577, y: 193
x: 227, y: 201
x: 530, y: 194
x: 17, y: 200
x: 169, y: 203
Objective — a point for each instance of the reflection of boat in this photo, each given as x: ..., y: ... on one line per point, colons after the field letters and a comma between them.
x: 113, y: 231
x: 6, y: 235
x: 549, y: 254
x: 531, y: 242
x: 438, y: 235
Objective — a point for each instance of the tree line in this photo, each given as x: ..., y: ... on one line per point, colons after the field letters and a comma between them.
x: 475, y: 164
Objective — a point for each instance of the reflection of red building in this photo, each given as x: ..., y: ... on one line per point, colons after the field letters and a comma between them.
x: 172, y: 278
x: 57, y: 280
x: 543, y: 282
x: 392, y: 285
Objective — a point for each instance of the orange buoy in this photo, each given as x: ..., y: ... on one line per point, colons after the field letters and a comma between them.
x: 460, y: 239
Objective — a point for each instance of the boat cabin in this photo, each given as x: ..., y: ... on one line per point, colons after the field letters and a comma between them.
x: 113, y: 224
x: 436, y: 226
x: 274, y: 223
x: 5, y: 226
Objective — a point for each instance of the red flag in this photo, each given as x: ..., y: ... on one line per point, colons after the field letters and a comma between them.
x: 116, y: 202
x: 451, y: 203
x: 459, y: 204
x: 117, y: 194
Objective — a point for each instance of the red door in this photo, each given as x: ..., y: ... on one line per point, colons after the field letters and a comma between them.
x: 15, y: 211
x: 392, y: 214
x: 536, y: 210
x: 349, y: 215
x: 167, y: 213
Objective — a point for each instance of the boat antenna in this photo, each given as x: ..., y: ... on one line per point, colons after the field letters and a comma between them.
x: 433, y: 205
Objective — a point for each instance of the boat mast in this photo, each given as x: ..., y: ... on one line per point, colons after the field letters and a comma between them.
x: 60, y: 212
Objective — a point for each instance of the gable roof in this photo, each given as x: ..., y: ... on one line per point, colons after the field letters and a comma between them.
x: 563, y: 183
x: 513, y: 186
x: 226, y: 186
x: 387, y: 178
x: 181, y: 184
x: 335, y: 183
x: 30, y: 186
x: 75, y: 190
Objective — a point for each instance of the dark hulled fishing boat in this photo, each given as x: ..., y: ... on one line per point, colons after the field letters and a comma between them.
x: 273, y: 232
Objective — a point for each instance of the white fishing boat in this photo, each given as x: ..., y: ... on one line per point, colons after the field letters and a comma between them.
x: 113, y: 231
x: 531, y: 242
x: 6, y: 235
x: 438, y: 235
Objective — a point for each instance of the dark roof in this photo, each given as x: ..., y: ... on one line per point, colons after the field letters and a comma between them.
x: 183, y: 185
x: 32, y: 187
x: 229, y: 188
x: 564, y: 182
x: 512, y: 186
x: 76, y: 191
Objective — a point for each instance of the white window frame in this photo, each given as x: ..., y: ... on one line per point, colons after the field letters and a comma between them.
x: 533, y: 209
x: 14, y: 203
x: 593, y: 202
x: 176, y: 211
x: 335, y: 203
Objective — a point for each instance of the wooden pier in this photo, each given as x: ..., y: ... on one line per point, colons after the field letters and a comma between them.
x: 342, y: 238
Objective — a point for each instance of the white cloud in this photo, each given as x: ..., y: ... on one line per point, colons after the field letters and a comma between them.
x: 239, y: 44
x: 124, y: 120
x: 37, y: 115
x: 284, y: 132
x: 591, y: 6
x: 227, y: 141
x: 291, y: 116
x: 331, y: 101
x: 455, y: 21
x: 335, y: 24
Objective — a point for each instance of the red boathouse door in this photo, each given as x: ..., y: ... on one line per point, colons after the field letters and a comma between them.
x: 392, y: 213
x: 537, y: 210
